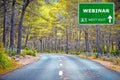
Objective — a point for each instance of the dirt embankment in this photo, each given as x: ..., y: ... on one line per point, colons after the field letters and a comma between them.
x: 25, y: 60
x: 108, y: 64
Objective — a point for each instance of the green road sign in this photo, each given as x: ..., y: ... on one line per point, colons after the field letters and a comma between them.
x: 96, y: 13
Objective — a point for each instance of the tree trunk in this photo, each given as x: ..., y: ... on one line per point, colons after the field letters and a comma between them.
x: 27, y: 35
x: 118, y: 45
x: 66, y: 49
x: 41, y: 48
x: 72, y: 37
x: 56, y: 40
x: 98, y: 40
x: 20, y: 26
x: 77, y: 39
x: 4, y: 22
x: 86, y: 39
x: 12, y: 25
x: 108, y: 44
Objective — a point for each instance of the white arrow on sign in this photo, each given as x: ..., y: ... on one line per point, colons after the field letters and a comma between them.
x: 109, y: 18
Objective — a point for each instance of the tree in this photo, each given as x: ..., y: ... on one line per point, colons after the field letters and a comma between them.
x: 4, y: 22
x: 66, y: 49
x: 86, y: 39
x: 27, y: 35
x: 12, y: 25
x: 98, y: 40
x: 25, y: 4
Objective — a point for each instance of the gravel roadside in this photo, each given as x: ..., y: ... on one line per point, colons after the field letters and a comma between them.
x: 25, y: 60
x: 107, y: 64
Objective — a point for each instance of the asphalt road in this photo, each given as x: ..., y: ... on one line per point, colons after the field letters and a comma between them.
x: 62, y: 67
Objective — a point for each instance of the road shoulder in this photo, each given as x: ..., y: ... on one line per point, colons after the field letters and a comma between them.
x: 107, y: 64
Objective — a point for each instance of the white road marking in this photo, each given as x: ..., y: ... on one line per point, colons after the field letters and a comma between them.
x: 61, y: 64
x: 60, y: 73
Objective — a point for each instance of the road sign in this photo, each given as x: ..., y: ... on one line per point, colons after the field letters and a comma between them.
x: 96, y: 13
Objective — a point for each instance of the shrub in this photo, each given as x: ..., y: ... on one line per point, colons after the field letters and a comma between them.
x: 12, y: 53
x: 23, y: 53
x: 94, y: 50
x: 83, y: 55
x: 26, y: 48
x: 115, y: 60
x: 5, y: 60
x: 29, y: 52
x: 34, y: 51
x: 118, y: 61
x: 1, y: 45
x: 105, y: 49
x: 94, y: 56
x: 78, y: 53
x: 70, y: 51
x: 60, y: 51
x: 115, y: 52
x: 48, y: 51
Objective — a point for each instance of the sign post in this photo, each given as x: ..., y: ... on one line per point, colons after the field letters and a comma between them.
x: 96, y: 13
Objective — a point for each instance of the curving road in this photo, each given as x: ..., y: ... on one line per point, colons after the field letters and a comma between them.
x: 62, y: 67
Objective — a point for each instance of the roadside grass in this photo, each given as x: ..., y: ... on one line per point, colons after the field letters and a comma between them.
x: 84, y: 55
x: 28, y: 51
x: 7, y: 63
x: 5, y: 60
x: 12, y: 67
x: 54, y: 51
x: 114, y: 60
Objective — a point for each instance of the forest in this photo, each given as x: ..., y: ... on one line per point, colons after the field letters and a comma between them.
x: 52, y: 26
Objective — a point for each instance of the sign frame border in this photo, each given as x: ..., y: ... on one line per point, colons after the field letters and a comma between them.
x: 98, y: 3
